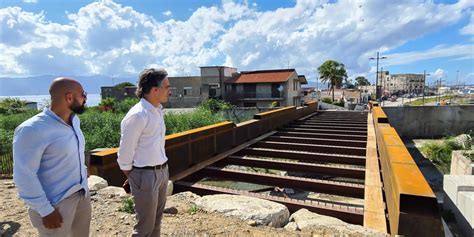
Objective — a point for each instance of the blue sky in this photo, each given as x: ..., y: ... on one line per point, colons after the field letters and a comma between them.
x: 120, y: 38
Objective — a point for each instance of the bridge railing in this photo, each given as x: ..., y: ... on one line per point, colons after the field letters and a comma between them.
x: 411, y: 204
x: 189, y: 148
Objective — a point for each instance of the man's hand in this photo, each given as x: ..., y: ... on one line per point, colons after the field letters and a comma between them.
x: 53, y: 220
x: 126, y: 172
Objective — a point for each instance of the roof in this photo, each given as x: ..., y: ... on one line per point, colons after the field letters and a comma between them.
x: 302, y: 79
x: 263, y: 76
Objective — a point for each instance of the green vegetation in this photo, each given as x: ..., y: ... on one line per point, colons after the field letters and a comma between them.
x: 194, y: 209
x: 127, y: 205
x: 101, y: 128
x: 362, y: 81
x: 327, y: 100
x: 13, y: 106
x: 124, y: 84
x: 440, y: 153
x: 419, y: 102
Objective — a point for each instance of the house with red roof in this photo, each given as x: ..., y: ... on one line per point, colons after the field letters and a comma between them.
x: 264, y: 87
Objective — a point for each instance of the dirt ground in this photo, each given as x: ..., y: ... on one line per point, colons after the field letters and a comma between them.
x: 107, y: 220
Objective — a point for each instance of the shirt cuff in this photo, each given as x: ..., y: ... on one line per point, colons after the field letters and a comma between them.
x: 126, y: 167
x: 46, y: 210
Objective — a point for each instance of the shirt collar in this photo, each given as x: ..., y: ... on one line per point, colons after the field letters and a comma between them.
x: 147, y: 105
x: 52, y: 114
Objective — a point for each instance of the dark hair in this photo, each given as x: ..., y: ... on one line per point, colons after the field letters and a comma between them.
x: 148, y: 79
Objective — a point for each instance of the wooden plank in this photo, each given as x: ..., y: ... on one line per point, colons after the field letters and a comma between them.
x: 218, y: 157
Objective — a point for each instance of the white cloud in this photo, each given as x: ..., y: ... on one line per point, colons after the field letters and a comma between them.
x: 109, y: 38
x: 461, y: 52
x: 439, y: 73
x: 30, y: 1
x: 469, y: 28
x: 168, y: 13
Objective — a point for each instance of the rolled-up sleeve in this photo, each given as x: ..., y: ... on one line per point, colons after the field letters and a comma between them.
x: 28, y: 148
x: 131, y: 128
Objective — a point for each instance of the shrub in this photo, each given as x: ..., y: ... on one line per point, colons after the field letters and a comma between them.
x: 107, y: 104
x: 13, y: 106
x: 440, y: 153
x: 124, y: 84
x: 127, y: 205
x: 340, y: 103
x: 327, y: 100
x: 214, y: 105
x: 125, y: 105
x: 101, y: 129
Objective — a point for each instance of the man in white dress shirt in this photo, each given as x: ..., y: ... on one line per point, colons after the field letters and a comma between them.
x: 141, y: 155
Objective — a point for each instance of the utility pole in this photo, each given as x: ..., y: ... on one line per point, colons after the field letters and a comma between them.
x: 424, y: 83
x: 377, y: 90
x: 457, y: 80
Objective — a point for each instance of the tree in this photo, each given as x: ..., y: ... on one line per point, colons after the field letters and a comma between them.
x: 348, y: 84
x: 362, y: 81
x: 332, y: 72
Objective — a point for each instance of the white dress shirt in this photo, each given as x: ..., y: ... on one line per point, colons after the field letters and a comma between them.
x: 142, y: 137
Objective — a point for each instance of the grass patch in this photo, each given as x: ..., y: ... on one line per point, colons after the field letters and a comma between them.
x: 419, y: 102
x: 194, y: 209
x: 127, y: 205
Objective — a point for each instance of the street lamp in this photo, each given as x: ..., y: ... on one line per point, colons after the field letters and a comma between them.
x: 377, y: 91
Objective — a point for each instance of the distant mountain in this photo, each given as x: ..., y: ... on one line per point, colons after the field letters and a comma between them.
x: 39, y: 85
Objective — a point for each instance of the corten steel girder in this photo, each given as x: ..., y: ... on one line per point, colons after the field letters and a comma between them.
x: 348, y: 213
x: 323, y: 169
x: 322, y: 135
x: 317, y: 141
x: 314, y: 185
x: 331, y: 127
x: 322, y: 130
x: 330, y: 149
x: 304, y: 156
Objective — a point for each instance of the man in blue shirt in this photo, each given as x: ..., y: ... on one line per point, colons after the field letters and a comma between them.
x: 49, y: 165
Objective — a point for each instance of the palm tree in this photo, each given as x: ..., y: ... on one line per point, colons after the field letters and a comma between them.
x: 332, y: 72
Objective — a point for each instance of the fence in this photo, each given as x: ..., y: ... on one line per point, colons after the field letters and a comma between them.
x: 6, y: 166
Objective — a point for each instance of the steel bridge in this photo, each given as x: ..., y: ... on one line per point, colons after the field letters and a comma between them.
x: 341, y: 155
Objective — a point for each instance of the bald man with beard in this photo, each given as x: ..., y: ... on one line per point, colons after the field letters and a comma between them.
x: 49, y: 164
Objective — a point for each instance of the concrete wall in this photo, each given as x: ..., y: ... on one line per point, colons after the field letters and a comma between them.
x: 431, y: 121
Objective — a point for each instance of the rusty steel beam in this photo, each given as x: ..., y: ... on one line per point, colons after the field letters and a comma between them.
x: 322, y: 135
x: 317, y: 141
x: 314, y: 185
x: 347, y: 213
x: 331, y: 170
x: 331, y: 124
x: 358, y: 151
x: 304, y: 156
x: 321, y: 130
x: 332, y: 127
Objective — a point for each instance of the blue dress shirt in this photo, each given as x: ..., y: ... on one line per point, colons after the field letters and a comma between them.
x: 48, y: 161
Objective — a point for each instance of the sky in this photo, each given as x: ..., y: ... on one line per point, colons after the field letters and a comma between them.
x: 121, y: 38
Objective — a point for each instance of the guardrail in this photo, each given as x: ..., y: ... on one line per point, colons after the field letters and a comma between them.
x: 411, y: 204
x: 189, y: 148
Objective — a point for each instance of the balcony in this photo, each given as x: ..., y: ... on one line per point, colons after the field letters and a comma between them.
x: 258, y: 96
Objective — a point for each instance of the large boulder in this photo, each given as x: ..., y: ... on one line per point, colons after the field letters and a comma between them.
x: 263, y: 212
x: 328, y: 226
x: 112, y: 192
x: 96, y: 183
x: 180, y: 202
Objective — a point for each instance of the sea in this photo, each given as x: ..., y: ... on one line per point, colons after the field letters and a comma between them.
x: 42, y: 100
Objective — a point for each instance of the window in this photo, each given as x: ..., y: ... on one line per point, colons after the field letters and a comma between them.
x: 187, y: 91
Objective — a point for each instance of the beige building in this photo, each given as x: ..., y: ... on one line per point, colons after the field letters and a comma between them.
x: 262, y: 88
x: 401, y: 83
